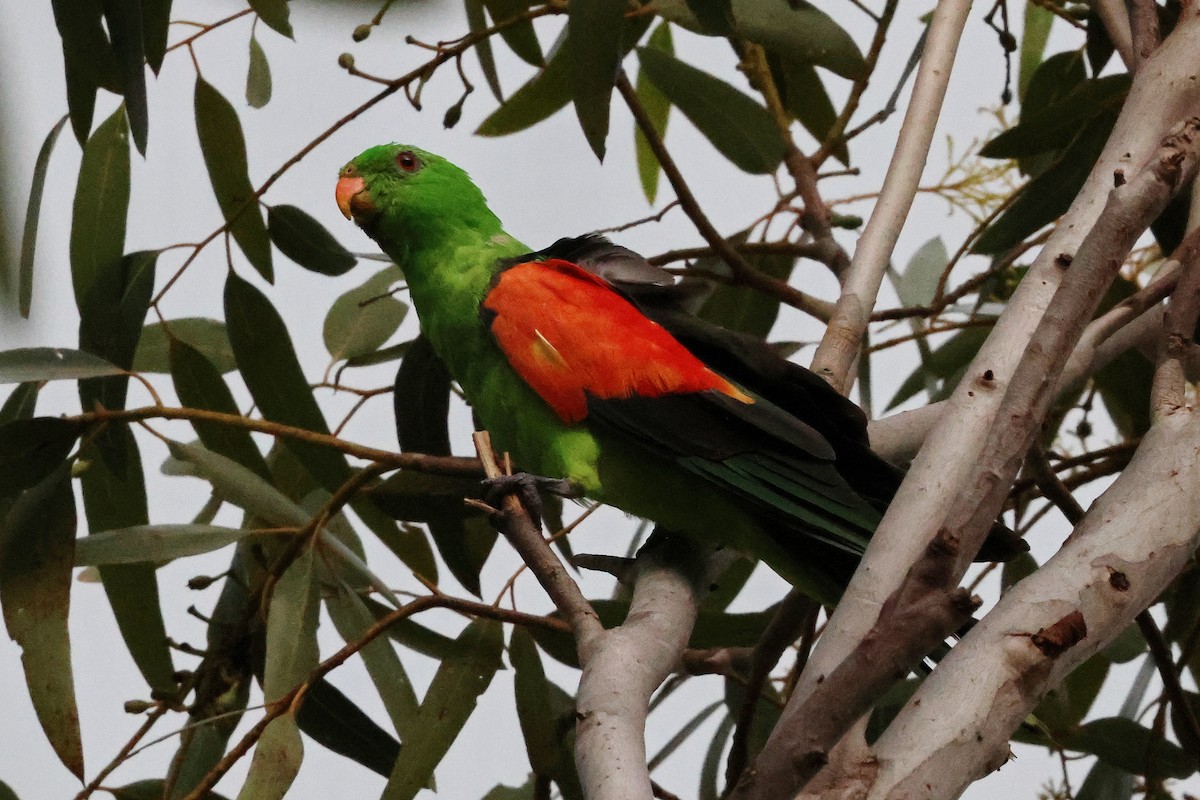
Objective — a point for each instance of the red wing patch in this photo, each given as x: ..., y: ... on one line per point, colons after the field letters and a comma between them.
x: 569, y: 335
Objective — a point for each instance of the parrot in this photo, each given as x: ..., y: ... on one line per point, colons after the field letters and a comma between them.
x: 582, y: 363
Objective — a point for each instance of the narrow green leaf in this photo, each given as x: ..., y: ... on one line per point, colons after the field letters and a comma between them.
x: 88, y: 59
x: 110, y: 323
x: 414, y: 636
x: 917, y: 284
x: 447, y: 706
x: 1048, y: 196
x: 273, y: 375
x: 741, y: 308
x: 477, y: 21
x: 101, y: 204
x: 801, y: 31
x: 329, y: 718
x: 1036, y: 31
x: 35, y: 592
x: 6, y: 792
x: 276, y: 761
x: 292, y: 628
x: 684, y: 733
x: 33, y: 213
x: 805, y: 96
x: 532, y: 693
x: 150, y: 790
x: 520, y: 38
x: 711, y: 766
x: 362, y: 319
x: 142, y: 543
x: 21, y: 403
x: 739, y: 128
x: 114, y: 496
x: 594, y: 29
x: 307, y: 242
x: 156, y: 19
x: 30, y: 449
x: 242, y: 487
x: 199, y: 385
x: 1130, y: 746
x: 658, y: 109
x: 275, y: 14
x: 502, y: 792
x: 124, y: 21
x: 1057, y: 125
x: 51, y: 364
x: 224, y: 149
x: 207, y: 336
x: 258, y: 76
x: 541, y: 96
x: 352, y: 618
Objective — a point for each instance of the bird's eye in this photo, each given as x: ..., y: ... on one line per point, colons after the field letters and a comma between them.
x: 408, y: 162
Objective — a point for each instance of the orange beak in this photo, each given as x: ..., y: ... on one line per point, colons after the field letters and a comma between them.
x: 347, y: 189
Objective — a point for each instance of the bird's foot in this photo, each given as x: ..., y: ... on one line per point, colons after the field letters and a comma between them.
x: 527, y: 488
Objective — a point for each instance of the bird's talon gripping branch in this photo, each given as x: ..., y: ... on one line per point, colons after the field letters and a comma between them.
x: 527, y: 488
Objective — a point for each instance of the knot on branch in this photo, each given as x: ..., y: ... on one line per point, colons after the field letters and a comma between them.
x: 1061, y: 636
x: 1178, y: 145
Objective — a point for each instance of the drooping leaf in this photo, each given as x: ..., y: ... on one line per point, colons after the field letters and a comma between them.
x: 1059, y: 123
x: 542, y: 95
x: 304, y: 240
x: 35, y: 594
x: 916, y: 285
x: 352, y: 618
x: 658, y: 109
x: 21, y: 403
x: 362, y: 319
x: 1036, y: 31
x: 114, y: 496
x: 1124, y: 743
x: 273, y: 375
x: 27, y: 364
x: 801, y: 31
x: 275, y: 14
x: 199, y: 385
x: 804, y: 95
x: 275, y: 762
x: 33, y: 213
x: 739, y: 128
x: 594, y: 29
x: 31, y: 449
x: 207, y: 336
x: 332, y: 720
x: 258, y: 76
x: 710, y: 768
x: 156, y: 20
x: 447, y: 706
x: 421, y: 402
x: 110, y: 323
x: 477, y: 21
x: 1048, y: 196
x: 546, y: 715
x: 150, y: 790
x: 292, y: 627
x: 520, y: 37
x: 123, y: 18
x: 242, y: 487
x: 88, y: 58
x: 101, y: 204
x: 143, y: 543
x: 224, y: 149
x: 1099, y: 46
x: 742, y: 308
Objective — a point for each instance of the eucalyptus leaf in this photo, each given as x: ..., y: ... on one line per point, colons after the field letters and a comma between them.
x: 51, y: 364
x: 33, y: 213
x: 123, y: 18
x: 224, y: 149
x: 545, y: 93
x: 142, y: 543
x: 207, y: 336
x: 658, y: 110
x: 101, y: 204
x: 275, y: 14
x: 739, y: 128
x: 275, y: 762
x: 292, y: 616
x: 362, y: 319
x: 594, y: 30
x: 307, y: 242
x: 258, y: 76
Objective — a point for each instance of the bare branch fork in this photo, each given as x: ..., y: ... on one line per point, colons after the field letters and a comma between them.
x: 806, y: 732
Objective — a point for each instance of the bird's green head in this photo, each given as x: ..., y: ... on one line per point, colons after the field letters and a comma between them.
x: 407, y: 198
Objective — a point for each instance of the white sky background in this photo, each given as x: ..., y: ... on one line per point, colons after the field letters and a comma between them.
x: 544, y: 183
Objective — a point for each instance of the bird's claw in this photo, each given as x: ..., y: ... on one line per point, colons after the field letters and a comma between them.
x: 526, y: 487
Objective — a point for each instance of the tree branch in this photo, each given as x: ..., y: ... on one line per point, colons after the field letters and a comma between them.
x: 838, y: 349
